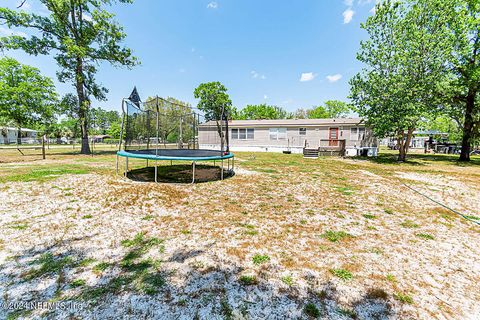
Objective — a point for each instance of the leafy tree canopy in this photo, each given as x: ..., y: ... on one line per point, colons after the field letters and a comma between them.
x: 80, y: 34
x: 26, y: 96
x: 404, y: 72
x: 261, y: 111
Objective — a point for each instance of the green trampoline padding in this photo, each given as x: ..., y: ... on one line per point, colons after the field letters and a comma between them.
x: 176, y: 154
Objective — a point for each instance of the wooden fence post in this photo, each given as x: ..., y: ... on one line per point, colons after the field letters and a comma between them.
x: 43, y: 147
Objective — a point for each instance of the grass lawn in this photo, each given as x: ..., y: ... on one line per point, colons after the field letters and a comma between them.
x: 284, y: 238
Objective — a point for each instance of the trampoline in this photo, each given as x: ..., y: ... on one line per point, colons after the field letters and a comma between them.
x: 162, y: 130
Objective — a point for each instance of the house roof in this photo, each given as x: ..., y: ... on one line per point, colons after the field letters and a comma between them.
x: 289, y: 122
x: 22, y: 129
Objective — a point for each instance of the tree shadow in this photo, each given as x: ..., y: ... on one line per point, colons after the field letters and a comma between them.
x: 417, y: 159
x: 180, y: 173
x: 146, y: 281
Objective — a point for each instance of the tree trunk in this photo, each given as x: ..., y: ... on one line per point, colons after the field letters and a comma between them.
x: 404, y: 144
x: 468, y: 127
x: 83, y: 105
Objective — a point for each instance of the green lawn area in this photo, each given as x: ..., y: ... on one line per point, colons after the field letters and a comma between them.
x: 328, y: 237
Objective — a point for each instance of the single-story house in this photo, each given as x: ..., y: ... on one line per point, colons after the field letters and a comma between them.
x: 9, y: 135
x: 100, y: 138
x: 340, y: 135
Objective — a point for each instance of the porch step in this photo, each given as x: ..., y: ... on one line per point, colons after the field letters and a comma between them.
x: 310, y: 153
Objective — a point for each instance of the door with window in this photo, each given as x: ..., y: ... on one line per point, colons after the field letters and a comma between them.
x: 333, y: 137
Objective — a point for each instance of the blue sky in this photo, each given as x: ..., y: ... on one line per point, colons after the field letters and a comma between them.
x: 287, y: 53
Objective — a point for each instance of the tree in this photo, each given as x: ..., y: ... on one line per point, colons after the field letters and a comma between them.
x: 405, y: 69
x: 318, y: 112
x: 81, y: 34
x: 463, y: 20
x: 331, y: 109
x: 215, y: 103
x: 100, y: 120
x: 171, y: 112
x: 26, y: 96
x: 260, y: 112
x: 337, y: 109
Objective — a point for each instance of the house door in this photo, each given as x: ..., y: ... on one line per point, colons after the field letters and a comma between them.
x: 333, y: 137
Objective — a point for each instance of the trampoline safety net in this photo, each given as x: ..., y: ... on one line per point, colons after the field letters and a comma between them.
x: 163, y: 124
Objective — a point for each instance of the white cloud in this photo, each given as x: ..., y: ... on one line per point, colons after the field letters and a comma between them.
x: 87, y: 17
x: 373, y: 10
x: 307, y: 76
x: 7, y: 32
x: 348, y: 3
x: 265, y: 97
x: 334, y: 77
x: 348, y: 15
x: 182, y: 70
x: 212, y: 5
x: 193, y: 49
x: 256, y: 75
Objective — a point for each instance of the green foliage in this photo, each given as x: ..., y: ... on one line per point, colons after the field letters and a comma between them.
x: 102, y: 266
x: 425, y: 236
x: 80, y: 34
x: 403, y: 297
x: 48, y: 264
x: 260, y: 112
x: 215, y: 104
x: 248, y: 279
x: 331, y: 109
x: 312, y: 310
x: 335, y: 236
x: 44, y: 174
x: 409, y: 224
x: 78, y: 283
x: 213, y: 100
x: 405, y: 67
x: 342, y: 274
x: 288, y: 280
x: 26, y: 97
x: 260, y: 259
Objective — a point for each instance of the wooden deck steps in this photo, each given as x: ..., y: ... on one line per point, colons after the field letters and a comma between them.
x: 310, y: 153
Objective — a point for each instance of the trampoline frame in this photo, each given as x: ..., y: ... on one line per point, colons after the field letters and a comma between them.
x: 156, y: 158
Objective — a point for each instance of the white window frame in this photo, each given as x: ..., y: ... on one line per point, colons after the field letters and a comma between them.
x: 246, y: 132
x: 277, y: 134
x: 358, y: 135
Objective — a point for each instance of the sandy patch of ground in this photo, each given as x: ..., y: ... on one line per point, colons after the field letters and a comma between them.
x: 283, y: 239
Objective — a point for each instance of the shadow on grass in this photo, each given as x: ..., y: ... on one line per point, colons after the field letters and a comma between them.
x: 181, y: 173
x: 416, y: 159
x: 140, y: 284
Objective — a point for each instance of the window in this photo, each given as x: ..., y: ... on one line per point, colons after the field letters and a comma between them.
x: 353, y: 133
x: 278, y: 133
x: 243, y: 134
x: 250, y: 134
x: 302, y: 131
x: 357, y: 133
x: 361, y: 133
x: 235, y: 134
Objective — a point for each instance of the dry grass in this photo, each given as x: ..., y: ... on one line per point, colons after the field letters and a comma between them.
x: 401, y: 254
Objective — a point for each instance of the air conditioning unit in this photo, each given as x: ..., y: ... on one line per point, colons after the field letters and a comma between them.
x: 351, y: 152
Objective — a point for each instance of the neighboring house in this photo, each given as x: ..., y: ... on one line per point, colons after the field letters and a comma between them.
x: 8, y: 135
x: 419, y: 139
x: 100, y: 138
x: 325, y: 135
